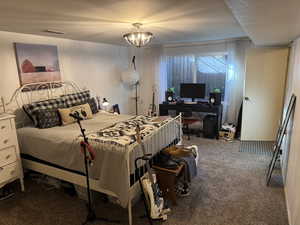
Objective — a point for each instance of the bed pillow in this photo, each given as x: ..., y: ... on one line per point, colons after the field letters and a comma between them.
x: 75, y: 99
x: 93, y: 105
x: 65, y: 113
x: 31, y: 109
x: 47, y: 118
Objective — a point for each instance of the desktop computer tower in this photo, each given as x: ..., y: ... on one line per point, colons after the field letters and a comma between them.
x: 209, y: 126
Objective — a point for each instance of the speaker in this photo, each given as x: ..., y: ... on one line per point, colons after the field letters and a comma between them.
x: 170, y: 96
x: 215, y: 98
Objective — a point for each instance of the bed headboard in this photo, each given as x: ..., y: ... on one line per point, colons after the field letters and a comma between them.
x: 34, y: 92
x: 30, y: 93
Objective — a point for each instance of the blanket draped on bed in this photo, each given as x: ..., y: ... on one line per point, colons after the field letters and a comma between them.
x: 123, y: 133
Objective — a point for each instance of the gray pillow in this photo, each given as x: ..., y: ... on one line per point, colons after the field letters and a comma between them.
x: 47, y: 118
x: 93, y: 105
x: 31, y: 109
x: 75, y: 99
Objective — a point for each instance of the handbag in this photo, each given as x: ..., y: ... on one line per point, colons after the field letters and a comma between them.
x: 178, y: 151
x: 165, y: 161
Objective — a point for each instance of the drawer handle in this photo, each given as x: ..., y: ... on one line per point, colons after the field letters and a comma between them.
x: 5, y: 141
x: 8, y: 156
x: 12, y: 172
x: 3, y: 127
x: 1, y: 168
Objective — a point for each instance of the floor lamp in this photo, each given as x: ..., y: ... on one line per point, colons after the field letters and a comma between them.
x: 130, y: 77
x: 136, y: 98
x: 91, y: 215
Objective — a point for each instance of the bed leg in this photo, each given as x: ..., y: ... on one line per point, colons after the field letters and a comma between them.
x: 22, y: 184
x: 129, y: 213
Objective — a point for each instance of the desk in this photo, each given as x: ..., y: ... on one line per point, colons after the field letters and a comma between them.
x: 199, y: 107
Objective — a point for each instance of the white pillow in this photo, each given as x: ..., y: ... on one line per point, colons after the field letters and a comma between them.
x: 65, y: 113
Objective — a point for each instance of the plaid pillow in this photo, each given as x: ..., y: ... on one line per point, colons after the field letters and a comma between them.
x: 47, y: 118
x: 31, y: 109
x: 93, y: 105
x: 78, y: 98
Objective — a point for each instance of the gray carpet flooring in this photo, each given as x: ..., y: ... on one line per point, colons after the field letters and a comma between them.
x: 229, y: 190
x: 257, y: 147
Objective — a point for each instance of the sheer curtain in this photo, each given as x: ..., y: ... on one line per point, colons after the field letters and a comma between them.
x: 161, y: 79
x: 180, y: 69
x: 235, y: 78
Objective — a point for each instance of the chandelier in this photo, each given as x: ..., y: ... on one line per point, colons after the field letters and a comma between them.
x: 138, y: 38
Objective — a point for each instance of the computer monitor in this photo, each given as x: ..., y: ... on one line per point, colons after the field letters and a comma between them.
x: 191, y: 90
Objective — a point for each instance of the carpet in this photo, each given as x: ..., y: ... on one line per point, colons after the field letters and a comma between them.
x: 257, y: 147
x: 228, y: 190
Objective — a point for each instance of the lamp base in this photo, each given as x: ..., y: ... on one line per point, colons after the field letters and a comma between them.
x: 91, y: 218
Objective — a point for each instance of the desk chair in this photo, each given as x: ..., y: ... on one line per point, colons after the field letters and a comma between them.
x: 116, y: 109
x: 187, y: 120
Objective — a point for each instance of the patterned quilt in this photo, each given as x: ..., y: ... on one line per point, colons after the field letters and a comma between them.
x: 123, y: 133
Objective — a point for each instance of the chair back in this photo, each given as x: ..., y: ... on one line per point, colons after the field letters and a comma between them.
x: 187, y: 113
x: 116, y: 108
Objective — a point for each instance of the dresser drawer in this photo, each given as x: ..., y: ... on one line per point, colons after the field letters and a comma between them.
x: 7, y: 140
x: 7, y: 156
x: 9, y: 172
x: 5, y: 126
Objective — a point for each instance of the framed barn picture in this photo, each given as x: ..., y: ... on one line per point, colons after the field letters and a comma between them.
x: 37, y: 63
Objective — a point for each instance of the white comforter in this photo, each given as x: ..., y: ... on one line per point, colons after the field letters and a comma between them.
x: 60, y: 145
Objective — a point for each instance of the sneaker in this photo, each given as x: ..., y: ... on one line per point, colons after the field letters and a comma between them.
x: 184, y: 192
x: 6, y: 193
x: 181, y: 191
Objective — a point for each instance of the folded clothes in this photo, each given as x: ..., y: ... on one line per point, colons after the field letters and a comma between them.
x: 186, y: 157
x: 190, y: 167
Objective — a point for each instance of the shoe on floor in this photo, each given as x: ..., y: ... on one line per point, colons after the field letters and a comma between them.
x: 182, y: 192
x: 6, y: 193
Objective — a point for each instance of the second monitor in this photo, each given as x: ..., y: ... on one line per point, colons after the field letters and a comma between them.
x: 192, y: 90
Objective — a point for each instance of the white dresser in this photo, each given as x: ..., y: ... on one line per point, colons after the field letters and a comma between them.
x: 10, y: 160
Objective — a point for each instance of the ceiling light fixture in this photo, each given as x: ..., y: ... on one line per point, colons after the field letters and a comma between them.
x: 138, y: 38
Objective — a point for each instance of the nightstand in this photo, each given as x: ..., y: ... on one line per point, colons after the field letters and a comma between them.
x: 10, y: 160
x: 167, y: 181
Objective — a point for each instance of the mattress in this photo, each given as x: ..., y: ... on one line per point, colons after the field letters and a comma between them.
x: 60, y: 146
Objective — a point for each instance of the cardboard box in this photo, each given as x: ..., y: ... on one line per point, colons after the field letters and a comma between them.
x: 228, y: 135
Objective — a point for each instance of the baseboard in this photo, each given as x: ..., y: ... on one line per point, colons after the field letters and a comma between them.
x: 287, y: 207
x: 285, y: 194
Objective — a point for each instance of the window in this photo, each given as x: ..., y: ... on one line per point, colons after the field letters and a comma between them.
x: 210, y: 70
x: 179, y: 70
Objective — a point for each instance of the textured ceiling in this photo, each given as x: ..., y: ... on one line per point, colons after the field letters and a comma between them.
x: 106, y: 21
x: 268, y: 22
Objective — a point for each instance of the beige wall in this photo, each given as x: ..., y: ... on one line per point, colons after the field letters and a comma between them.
x: 91, y: 65
x: 291, y: 149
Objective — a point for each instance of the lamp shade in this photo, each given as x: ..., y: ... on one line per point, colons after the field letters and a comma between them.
x: 130, y: 76
x: 105, y: 102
